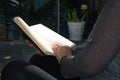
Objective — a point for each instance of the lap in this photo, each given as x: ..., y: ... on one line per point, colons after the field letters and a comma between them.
x: 38, y: 68
x: 47, y: 63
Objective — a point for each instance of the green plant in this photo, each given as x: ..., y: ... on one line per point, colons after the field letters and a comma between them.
x: 72, y: 15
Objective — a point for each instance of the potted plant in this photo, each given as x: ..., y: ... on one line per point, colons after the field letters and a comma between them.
x: 76, y: 23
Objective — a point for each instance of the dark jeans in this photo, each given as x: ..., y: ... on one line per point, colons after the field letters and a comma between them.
x: 39, y: 68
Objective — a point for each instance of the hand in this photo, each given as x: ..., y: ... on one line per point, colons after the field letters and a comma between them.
x: 61, y: 51
x: 32, y: 45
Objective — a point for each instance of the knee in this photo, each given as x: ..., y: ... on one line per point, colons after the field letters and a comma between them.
x: 15, y: 64
x: 12, y: 69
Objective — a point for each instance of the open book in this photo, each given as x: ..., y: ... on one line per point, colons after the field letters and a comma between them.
x: 42, y: 36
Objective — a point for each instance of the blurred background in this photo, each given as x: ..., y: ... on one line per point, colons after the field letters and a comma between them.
x: 51, y: 13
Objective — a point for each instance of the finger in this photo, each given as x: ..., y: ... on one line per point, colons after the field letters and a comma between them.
x: 55, y: 46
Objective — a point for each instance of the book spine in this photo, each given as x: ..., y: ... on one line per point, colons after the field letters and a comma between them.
x: 40, y: 43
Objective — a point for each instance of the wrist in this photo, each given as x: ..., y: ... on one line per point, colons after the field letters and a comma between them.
x: 59, y: 58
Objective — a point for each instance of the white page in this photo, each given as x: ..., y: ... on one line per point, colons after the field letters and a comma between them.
x: 49, y: 36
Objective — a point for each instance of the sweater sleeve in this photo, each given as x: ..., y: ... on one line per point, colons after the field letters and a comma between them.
x: 103, y: 46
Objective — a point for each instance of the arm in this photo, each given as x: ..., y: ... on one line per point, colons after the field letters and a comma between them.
x: 101, y: 50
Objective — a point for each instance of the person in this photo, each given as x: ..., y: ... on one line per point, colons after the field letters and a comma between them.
x: 99, y: 60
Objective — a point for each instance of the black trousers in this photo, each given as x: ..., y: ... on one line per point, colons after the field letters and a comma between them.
x: 38, y: 68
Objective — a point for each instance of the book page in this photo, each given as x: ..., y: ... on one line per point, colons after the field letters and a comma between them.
x: 49, y: 36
